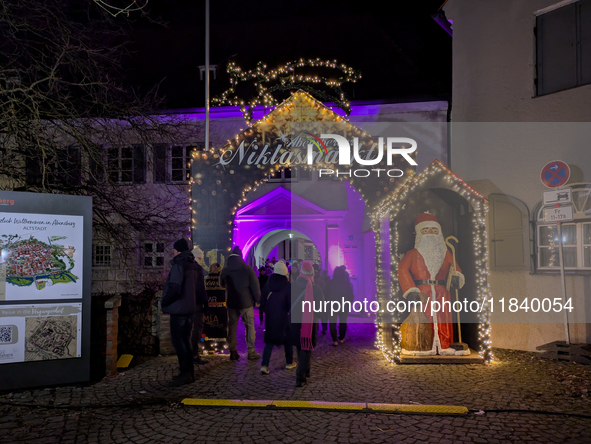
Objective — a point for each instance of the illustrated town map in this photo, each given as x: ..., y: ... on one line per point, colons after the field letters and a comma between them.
x: 31, y: 261
x: 53, y: 337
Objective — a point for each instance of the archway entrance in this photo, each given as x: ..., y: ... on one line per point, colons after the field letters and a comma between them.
x: 291, y: 221
x: 283, y: 244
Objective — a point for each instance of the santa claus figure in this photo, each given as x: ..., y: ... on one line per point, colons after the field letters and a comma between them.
x: 423, y: 274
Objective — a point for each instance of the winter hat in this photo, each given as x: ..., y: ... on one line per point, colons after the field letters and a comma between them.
x: 307, y: 269
x: 198, y: 252
x: 425, y: 220
x: 181, y: 245
x: 237, y: 251
x: 280, y: 268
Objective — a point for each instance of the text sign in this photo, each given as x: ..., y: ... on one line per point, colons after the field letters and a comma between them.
x: 555, y: 174
x: 559, y: 214
x: 562, y: 196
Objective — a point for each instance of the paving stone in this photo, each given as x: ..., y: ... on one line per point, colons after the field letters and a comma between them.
x: 351, y: 372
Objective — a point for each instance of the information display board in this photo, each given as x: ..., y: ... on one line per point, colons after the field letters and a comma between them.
x: 45, y: 277
x: 41, y: 252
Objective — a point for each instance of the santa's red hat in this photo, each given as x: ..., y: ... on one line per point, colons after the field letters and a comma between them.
x: 426, y: 220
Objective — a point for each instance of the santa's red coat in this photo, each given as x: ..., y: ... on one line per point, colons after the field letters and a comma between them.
x: 413, y: 268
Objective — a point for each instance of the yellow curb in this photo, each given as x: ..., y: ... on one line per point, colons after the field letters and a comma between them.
x: 324, y: 405
x: 412, y: 408
x: 321, y: 405
x: 227, y: 402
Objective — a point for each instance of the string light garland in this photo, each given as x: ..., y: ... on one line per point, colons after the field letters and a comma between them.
x: 284, y: 78
x: 390, y: 208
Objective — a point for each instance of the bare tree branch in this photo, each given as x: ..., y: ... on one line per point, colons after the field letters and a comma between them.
x: 64, y: 111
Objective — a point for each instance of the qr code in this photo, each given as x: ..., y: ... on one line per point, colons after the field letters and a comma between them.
x: 6, y: 334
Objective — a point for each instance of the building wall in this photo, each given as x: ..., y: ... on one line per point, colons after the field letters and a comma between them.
x: 494, y: 66
x: 498, y: 148
x: 425, y: 121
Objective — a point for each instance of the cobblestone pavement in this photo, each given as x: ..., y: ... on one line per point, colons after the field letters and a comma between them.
x: 137, y: 406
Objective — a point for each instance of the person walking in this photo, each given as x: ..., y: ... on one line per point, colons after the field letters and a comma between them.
x: 339, y: 289
x: 295, y: 271
x: 262, y: 281
x: 304, y: 321
x: 179, y: 301
x: 276, y: 303
x: 242, y: 293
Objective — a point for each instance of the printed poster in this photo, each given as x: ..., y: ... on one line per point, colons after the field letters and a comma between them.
x: 40, y: 332
x: 41, y: 256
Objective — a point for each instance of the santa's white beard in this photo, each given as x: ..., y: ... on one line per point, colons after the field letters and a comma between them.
x: 432, y: 248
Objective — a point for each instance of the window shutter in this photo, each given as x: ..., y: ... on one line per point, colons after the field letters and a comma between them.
x: 74, y: 166
x: 557, y: 49
x: 510, y: 234
x: 139, y: 164
x: 585, y: 40
x: 159, y: 163
x: 33, y: 173
x: 96, y: 165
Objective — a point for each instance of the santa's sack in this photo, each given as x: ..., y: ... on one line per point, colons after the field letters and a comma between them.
x: 416, y: 333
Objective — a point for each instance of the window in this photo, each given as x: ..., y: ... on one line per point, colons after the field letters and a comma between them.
x: 291, y: 174
x: 101, y: 256
x: 281, y: 176
x: 126, y: 165
x: 180, y: 163
x: 576, y: 236
x: 302, y: 173
x: 563, y: 46
x: 152, y: 254
x: 172, y: 164
x: 65, y: 169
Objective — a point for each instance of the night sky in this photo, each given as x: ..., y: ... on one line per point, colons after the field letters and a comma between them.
x: 401, y: 51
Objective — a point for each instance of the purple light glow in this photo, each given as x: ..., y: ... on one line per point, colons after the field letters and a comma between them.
x: 339, y: 235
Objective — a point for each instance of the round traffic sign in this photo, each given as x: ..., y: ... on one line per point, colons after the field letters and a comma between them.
x: 555, y: 174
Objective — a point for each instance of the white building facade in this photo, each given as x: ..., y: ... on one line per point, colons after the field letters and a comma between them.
x: 521, y: 99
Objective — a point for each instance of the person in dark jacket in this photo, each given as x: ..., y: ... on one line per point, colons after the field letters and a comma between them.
x: 339, y: 288
x: 276, y: 302
x: 242, y: 292
x: 295, y: 271
x: 304, y: 320
x: 178, y: 300
x: 262, y: 281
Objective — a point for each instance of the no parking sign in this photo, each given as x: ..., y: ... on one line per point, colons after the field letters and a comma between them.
x: 555, y: 174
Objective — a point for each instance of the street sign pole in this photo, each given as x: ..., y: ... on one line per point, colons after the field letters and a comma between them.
x: 554, y: 175
x: 561, y: 257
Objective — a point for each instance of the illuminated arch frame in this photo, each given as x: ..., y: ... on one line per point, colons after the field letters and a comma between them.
x: 263, y: 173
x: 391, y: 206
